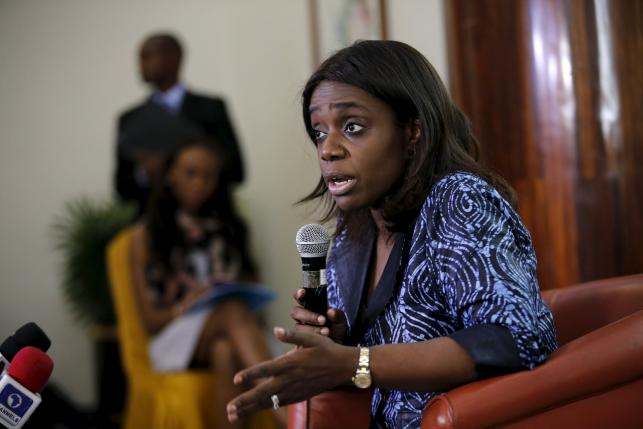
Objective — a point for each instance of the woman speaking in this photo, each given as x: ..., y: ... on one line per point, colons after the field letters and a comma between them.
x: 432, y: 274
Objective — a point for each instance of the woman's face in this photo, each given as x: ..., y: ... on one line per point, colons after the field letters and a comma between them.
x: 362, y: 152
x: 194, y: 177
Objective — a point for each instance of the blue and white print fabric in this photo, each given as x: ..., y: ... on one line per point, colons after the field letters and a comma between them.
x: 470, y: 262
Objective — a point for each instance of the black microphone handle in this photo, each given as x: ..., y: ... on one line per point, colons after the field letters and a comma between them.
x: 314, y: 283
x: 316, y: 300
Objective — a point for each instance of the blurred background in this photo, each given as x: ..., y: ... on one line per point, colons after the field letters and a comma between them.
x: 553, y: 88
x: 68, y: 68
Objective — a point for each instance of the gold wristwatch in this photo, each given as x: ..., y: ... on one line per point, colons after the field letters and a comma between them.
x: 362, y: 377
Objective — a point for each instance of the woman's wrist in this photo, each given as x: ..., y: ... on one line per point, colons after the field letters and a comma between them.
x: 349, y: 359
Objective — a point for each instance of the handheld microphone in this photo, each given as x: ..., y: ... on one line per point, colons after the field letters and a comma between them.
x: 312, y: 244
x: 28, y: 334
x: 27, y: 375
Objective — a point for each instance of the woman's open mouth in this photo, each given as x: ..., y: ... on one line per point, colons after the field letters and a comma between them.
x: 340, y: 184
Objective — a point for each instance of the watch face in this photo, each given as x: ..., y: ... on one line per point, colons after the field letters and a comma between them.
x: 363, y: 381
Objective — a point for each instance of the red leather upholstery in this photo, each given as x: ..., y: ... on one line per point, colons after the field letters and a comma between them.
x: 595, y: 379
x: 584, y: 308
x: 340, y: 408
x: 607, y: 359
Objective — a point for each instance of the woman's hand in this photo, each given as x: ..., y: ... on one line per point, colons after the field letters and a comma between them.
x: 192, y: 296
x: 190, y: 282
x: 193, y: 292
x: 332, y: 324
x: 318, y: 364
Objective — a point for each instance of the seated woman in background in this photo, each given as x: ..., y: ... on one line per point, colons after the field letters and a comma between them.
x: 189, y: 240
x: 432, y: 274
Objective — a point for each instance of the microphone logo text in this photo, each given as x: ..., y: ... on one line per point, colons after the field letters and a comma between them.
x: 13, y: 404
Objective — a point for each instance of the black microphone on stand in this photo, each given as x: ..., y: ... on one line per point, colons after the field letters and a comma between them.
x: 28, y: 334
x: 312, y: 244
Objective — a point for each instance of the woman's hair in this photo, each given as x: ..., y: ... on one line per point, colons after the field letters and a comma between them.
x: 400, y: 76
x: 165, y: 235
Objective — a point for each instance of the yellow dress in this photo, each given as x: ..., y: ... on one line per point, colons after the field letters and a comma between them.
x: 178, y: 400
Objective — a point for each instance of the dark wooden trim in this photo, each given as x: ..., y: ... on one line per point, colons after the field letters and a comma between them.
x: 383, y: 19
x: 313, y: 16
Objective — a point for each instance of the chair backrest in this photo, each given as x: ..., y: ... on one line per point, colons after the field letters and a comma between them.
x: 132, y: 335
x: 585, y: 307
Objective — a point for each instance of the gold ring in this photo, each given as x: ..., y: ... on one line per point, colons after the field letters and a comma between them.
x: 275, y: 402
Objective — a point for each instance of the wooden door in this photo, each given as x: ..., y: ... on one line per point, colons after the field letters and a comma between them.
x: 554, y: 89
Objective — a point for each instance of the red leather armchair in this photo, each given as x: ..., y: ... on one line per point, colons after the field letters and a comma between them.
x: 594, y: 380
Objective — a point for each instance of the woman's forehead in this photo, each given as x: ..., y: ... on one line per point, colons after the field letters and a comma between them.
x: 333, y: 95
x: 332, y: 89
x: 197, y: 153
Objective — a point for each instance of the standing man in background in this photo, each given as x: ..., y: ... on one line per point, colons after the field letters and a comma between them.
x: 171, y: 114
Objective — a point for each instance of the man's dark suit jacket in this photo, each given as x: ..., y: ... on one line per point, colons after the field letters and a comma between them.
x: 206, y: 114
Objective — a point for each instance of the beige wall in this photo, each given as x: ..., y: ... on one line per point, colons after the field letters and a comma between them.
x: 67, y: 68
x: 421, y: 24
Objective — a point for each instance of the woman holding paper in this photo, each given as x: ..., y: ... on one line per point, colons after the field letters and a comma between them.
x: 189, y: 241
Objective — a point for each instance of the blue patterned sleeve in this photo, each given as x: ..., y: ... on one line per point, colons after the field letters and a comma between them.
x: 331, y: 279
x: 486, y: 265
x: 334, y: 295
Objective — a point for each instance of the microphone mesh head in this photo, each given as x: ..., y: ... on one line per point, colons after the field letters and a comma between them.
x: 312, y: 241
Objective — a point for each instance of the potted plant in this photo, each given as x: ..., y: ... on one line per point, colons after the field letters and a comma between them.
x: 81, y: 235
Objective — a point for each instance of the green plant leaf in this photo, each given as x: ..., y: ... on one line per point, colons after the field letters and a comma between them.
x: 81, y: 235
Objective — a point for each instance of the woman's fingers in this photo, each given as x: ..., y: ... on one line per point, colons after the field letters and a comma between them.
x: 185, y: 278
x: 299, y: 374
x: 253, y: 400
x: 307, y: 317
x: 338, y: 326
x: 193, y: 296
x: 323, y: 330
x: 335, y: 315
x: 275, y: 366
x: 299, y: 296
x: 265, y: 369
x: 304, y: 339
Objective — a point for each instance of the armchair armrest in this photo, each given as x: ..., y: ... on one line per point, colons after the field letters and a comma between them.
x: 345, y: 407
x: 604, y: 364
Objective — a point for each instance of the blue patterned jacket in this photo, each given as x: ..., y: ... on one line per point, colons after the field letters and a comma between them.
x: 469, y: 261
